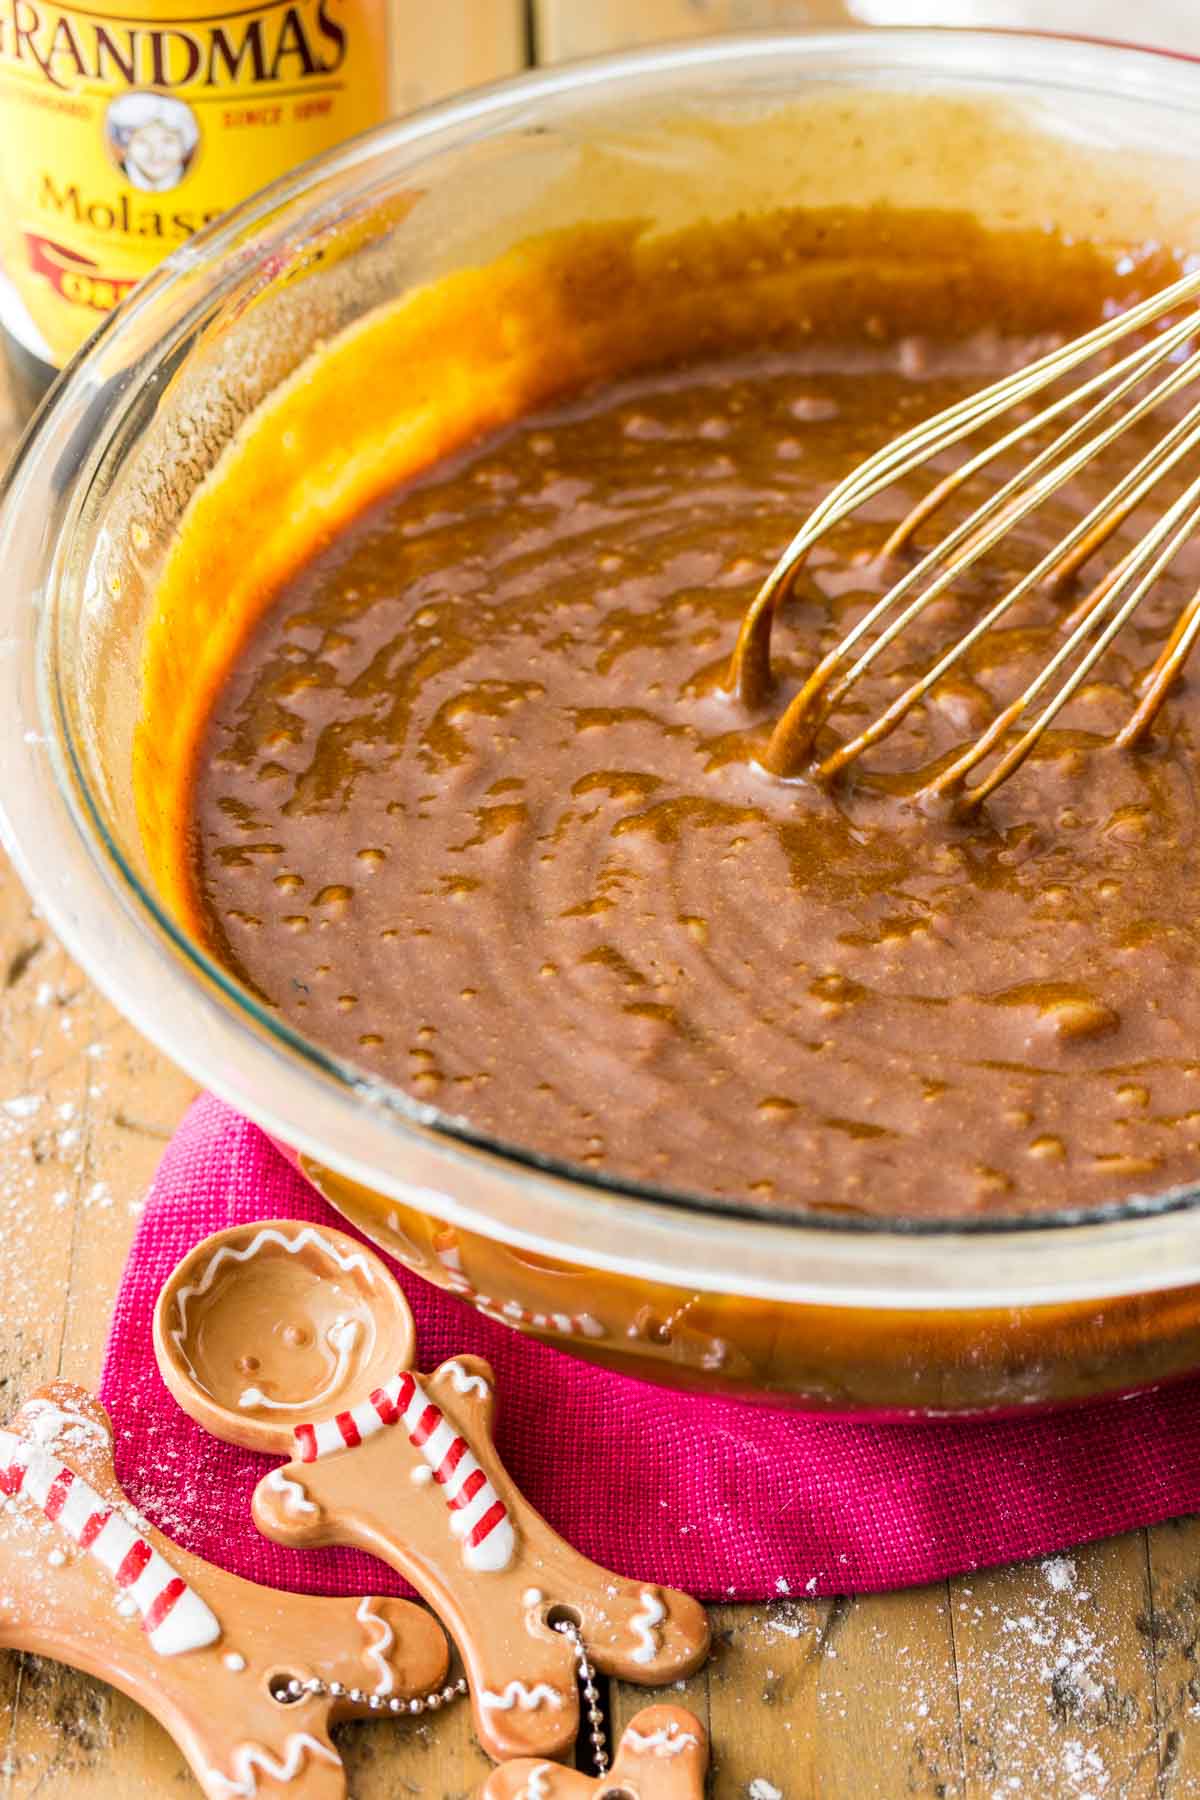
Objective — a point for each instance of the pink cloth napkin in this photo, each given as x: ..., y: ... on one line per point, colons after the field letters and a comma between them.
x: 721, y: 1498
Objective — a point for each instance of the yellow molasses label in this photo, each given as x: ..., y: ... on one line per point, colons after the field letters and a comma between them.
x: 127, y: 125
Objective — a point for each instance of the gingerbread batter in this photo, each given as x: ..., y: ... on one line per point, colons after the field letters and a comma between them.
x: 473, y: 811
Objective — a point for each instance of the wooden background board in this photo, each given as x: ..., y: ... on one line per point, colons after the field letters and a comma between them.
x: 1077, y: 1677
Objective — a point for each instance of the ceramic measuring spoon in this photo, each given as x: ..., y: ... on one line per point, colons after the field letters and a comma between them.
x: 86, y: 1581
x: 289, y: 1339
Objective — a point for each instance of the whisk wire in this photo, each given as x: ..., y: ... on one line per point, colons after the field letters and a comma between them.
x: 1013, y: 758
x: 793, y: 743
x: 750, y: 676
x: 1089, y: 628
x: 793, y: 736
x: 1134, y: 367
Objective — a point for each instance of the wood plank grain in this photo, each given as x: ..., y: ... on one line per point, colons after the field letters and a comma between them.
x: 80, y: 1175
x: 439, y: 50
x: 437, y: 1759
x: 1056, y: 1679
x: 1171, y: 1627
x: 828, y: 1699
x: 565, y: 28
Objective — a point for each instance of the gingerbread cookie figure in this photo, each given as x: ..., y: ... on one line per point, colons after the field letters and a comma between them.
x: 290, y: 1339
x: 246, y: 1680
x: 663, y: 1755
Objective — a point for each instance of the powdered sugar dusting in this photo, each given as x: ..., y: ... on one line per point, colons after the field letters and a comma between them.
x: 1060, y: 1573
x: 1045, y: 1657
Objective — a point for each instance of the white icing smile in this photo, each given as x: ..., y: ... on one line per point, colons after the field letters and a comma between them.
x: 528, y: 1699
x: 342, y: 1337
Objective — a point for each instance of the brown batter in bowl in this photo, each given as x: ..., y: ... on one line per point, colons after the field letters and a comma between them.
x: 472, y: 807
x: 673, y: 291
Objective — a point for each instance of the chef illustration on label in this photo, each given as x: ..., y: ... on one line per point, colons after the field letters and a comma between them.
x: 152, y: 138
x: 296, y: 1339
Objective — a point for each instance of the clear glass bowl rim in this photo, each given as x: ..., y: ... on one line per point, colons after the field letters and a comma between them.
x: 164, y: 984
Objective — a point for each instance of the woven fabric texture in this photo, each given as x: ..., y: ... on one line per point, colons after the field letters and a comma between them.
x: 724, y: 1499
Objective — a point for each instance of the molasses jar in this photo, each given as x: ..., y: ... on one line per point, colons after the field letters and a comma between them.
x: 128, y: 125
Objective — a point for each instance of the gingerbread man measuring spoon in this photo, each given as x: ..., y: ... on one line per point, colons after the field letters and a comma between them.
x: 216, y: 1659
x: 286, y: 1338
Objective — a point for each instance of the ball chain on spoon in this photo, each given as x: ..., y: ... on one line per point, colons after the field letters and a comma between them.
x: 313, y: 1687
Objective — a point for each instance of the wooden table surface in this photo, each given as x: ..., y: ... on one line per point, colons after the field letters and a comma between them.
x: 1078, y: 1677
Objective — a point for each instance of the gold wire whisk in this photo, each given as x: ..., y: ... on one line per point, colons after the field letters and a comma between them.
x: 1090, y: 626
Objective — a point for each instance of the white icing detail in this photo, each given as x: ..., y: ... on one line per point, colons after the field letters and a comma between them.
x: 537, y: 1787
x: 46, y: 1422
x: 342, y: 1336
x: 187, y: 1624
x: 377, y: 1652
x: 668, y: 1740
x: 532, y: 1597
x: 464, y: 1382
x: 644, y: 1626
x: 517, y: 1694
x: 422, y: 1475
x: 234, y: 1661
x: 437, y: 1445
x: 56, y: 1559
x: 295, y: 1499
x: 78, y: 1508
x: 325, y: 1437
x: 243, y: 1782
x: 568, y: 1324
x: 292, y: 1243
x: 496, y: 1551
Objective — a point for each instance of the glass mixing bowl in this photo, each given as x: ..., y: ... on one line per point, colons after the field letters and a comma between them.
x: 874, y: 1317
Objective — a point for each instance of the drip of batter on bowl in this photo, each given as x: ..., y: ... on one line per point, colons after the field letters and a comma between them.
x: 456, y: 787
